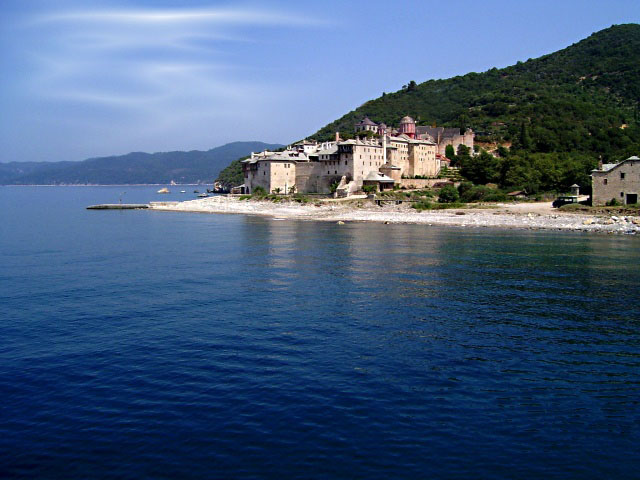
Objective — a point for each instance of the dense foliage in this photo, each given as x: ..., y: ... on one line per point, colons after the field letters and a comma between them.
x: 448, y: 194
x: 133, y: 168
x: 559, y: 112
x: 231, y: 175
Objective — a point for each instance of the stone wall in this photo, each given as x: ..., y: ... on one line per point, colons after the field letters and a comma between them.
x: 423, y: 183
x: 422, y: 160
x: 307, y: 177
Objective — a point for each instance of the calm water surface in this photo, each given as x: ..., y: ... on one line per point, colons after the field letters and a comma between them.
x: 143, y: 344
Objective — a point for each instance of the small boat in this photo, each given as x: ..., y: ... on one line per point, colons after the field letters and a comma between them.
x: 164, y: 190
x: 203, y: 195
x: 183, y: 191
x: 196, y: 191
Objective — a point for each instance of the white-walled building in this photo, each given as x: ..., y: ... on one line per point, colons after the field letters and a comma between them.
x: 310, y: 167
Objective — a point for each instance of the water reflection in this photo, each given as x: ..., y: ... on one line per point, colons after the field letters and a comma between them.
x: 254, y: 347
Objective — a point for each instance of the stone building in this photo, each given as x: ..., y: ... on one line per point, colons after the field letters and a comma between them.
x: 275, y: 172
x: 413, y: 157
x: 311, y: 167
x: 619, y: 181
x: 447, y: 136
x: 441, y: 136
x: 314, y: 170
x: 366, y: 124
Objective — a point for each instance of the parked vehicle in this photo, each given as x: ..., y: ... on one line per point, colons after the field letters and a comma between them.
x: 564, y: 200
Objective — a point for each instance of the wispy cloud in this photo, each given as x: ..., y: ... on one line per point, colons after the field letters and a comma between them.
x: 238, y: 16
x: 152, y: 59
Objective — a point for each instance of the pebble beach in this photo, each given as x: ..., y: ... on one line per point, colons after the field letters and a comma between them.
x: 533, y: 216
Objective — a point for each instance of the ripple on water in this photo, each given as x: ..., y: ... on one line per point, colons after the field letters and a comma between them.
x: 191, y: 346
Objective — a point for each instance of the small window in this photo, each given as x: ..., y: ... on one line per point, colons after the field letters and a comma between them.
x: 621, y: 175
x: 622, y: 194
x: 605, y: 181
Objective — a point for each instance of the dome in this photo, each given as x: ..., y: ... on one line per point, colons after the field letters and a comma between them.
x: 407, y: 119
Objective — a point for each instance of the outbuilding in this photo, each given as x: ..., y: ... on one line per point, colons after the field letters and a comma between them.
x: 616, y: 181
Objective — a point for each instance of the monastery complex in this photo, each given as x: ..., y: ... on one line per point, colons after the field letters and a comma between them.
x: 346, y: 166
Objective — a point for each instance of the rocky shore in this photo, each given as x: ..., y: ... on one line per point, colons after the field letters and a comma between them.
x: 534, y: 216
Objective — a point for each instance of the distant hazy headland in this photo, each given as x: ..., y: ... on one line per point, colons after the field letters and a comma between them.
x: 132, y: 169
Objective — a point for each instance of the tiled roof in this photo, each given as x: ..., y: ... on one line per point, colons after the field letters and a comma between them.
x: 328, y: 151
x: 367, y: 121
x: 610, y: 166
x: 378, y: 177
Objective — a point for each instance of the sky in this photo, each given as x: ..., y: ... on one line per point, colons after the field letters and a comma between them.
x: 81, y: 79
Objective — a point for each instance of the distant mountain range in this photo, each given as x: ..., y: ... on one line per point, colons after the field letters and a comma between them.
x: 199, y: 167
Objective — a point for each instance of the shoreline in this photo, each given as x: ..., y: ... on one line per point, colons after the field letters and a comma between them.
x: 113, y: 185
x: 528, y: 216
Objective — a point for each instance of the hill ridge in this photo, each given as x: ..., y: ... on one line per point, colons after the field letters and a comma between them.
x: 194, y: 166
x: 582, y: 98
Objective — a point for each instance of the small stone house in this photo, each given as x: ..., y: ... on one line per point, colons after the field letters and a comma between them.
x: 619, y: 181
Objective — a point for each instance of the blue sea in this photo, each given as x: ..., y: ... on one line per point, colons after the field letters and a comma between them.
x: 142, y: 344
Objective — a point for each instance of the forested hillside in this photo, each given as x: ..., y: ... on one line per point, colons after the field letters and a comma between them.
x: 570, y: 108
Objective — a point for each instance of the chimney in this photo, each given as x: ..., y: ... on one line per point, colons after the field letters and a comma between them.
x: 384, y: 148
x: 337, y: 136
x: 600, y: 163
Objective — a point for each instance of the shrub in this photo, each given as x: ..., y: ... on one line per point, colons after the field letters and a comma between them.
x: 300, y: 198
x: 422, y: 193
x: 426, y: 205
x: 482, y: 193
x: 612, y: 203
x: 464, y: 187
x: 369, y: 189
x: 422, y: 205
x: 497, y: 196
x: 448, y: 194
x: 259, y: 192
x: 476, y: 193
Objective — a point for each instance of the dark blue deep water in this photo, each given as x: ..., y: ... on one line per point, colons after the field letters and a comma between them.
x: 144, y: 344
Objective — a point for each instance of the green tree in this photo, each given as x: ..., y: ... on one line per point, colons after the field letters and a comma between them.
x: 464, y: 187
x: 449, y: 152
x: 448, y: 194
x: 524, y: 140
x: 481, y: 168
x: 502, y: 151
x: 463, y: 155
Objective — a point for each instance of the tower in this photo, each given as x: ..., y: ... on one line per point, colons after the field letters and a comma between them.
x: 408, y: 127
